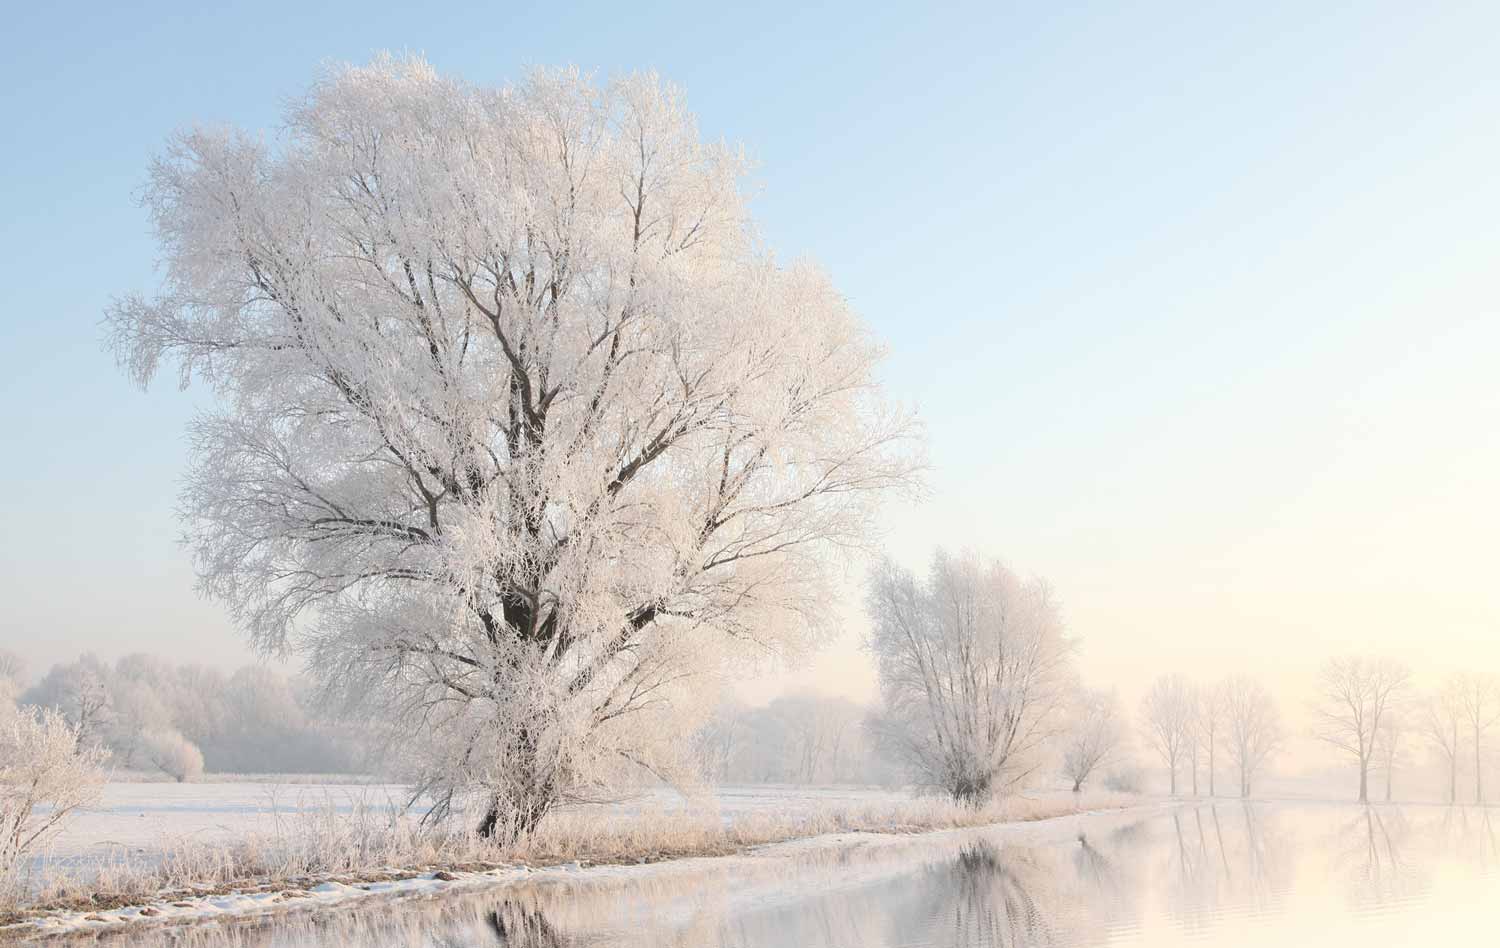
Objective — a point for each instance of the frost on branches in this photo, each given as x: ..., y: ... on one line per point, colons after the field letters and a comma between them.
x: 974, y: 673
x: 519, y: 429
x: 45, y: 775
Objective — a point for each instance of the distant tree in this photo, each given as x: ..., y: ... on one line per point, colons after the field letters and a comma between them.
x: 1194, y: 746
x: 12, y: 676
x: 172, y: 754
x: 1252, y: 728
x: 802, y: 737
x: 717, y: 741
x: 807, y: 732
x: 259, y: 721
x: 1357, y: 694
x: 80, y: 692
x: 973, y: 668
x: 263, y: 722
x: 1442, y: 717
x: 1167, y: 721
x: 1208, y: 727
x: 46, y: 773
x: 137, y: 710
x: 1390, y: 744
x: 1479, y: 696
x: 200, y: 710
x: 1093, y: 736
x: 819, y: 731
x: 1125, y: 779
x: 521, y: 432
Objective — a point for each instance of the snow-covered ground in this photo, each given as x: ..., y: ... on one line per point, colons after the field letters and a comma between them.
x: 138, y: 817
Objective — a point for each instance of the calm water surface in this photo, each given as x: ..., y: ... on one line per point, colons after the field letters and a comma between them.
x: 1226, y: 874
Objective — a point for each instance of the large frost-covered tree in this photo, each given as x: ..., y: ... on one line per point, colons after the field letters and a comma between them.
x: 517, y: 423
x: 975, y: 672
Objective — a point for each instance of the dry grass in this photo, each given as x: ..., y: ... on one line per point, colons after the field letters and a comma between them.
x: 369, y: 844
x: 581, y: 836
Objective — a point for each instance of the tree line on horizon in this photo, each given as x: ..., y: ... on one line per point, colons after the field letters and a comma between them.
x: 1366, y: 710
x: 149, y: 715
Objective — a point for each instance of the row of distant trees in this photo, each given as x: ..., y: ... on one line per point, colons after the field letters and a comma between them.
x: 148, y: 714
x: 1370, y: 710
x: 144, y: 713
x: 1190, y: 726
x: 1366, y: 709
x: 979, y: 695
x: 798, y: 738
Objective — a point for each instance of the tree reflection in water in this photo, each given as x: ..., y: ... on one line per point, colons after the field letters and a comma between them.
x: 995, y: 898
x: 1367, y: 850
x: 1226, y: 857
x: 1094, y: 867
x: 522, y: 925
x: 1469, y: 833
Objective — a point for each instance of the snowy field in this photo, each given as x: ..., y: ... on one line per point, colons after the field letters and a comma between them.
x: 139, y: 817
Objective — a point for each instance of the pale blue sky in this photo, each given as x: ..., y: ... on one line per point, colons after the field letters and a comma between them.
x: 1199, y: 305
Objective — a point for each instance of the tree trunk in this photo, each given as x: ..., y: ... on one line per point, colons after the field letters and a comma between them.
x: 1364, y: 781
x: 1478, y: 772
x: 519, y: 805
x: 971, y: 791
x: 1210, y: 769
x: 1078, y: 785
x: 490, y: 824
x: 1174, y: 781
x: 508, y: 823
x: 1195, y: 778
x: 1453, y: 777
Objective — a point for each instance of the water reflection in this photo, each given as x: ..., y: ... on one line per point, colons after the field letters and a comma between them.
x: 1469, y: 834
x: 516, y: 924
x: 1368, y: 851
x: 1230, y: 858
x: 1207, y: 872
x: 987, y: 897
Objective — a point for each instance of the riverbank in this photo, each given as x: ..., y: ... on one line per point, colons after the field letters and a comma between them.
x: 336, y: 857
